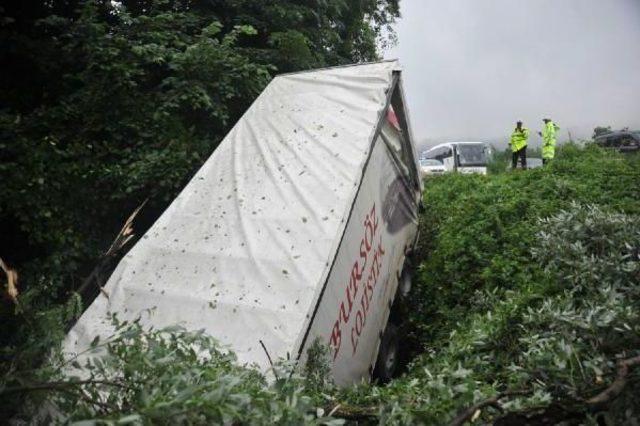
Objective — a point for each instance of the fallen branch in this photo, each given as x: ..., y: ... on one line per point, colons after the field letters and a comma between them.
x: 12, y: 282
x: 473, y: 411
x: 125, y: 234
x: 349, y: 412
x: 59, y: 386
x: 104, y: 406
x: 573, y: 410
x: 552, y: 414
x: 123, y: 237
x: 612, y: 392
x: 269, y: 358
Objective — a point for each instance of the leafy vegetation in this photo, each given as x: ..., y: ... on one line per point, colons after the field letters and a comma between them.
x: 500, y: 161
x: 108, y: 103
x: 529, y: 284
x: 167, y: 377
x: 527, y: 297
x: 528, y: 300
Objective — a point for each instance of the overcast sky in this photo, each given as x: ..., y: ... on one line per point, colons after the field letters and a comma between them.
x: 473, y: 67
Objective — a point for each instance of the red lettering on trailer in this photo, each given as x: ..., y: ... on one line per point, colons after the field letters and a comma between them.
x: 336, y: 336
x: 354, y: 284
x: 372, y: 280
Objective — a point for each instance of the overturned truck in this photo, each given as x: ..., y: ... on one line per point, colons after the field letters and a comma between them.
x: 296, y: 229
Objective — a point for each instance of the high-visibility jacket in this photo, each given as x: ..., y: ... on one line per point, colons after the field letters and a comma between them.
x: 519, y: 139
x: 549, y: 140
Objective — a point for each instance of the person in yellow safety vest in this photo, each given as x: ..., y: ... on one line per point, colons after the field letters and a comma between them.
x: 518, y: 144
x: 548, y: 140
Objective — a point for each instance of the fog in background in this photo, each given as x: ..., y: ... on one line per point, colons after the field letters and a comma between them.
x: 474, y: 67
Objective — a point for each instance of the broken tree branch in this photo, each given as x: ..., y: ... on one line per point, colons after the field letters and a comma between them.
x: 612, y: 392
x: 269, y: 358
x: 565, y: 410
x: 12, y: 282
x: 125, y: 234
x: 59, y: 386
x: 349, y: 412
x: 121, y: 239
x: 466, y: 415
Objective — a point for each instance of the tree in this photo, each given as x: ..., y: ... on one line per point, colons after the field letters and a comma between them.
x: 130, y: 97
x: 107, y: 103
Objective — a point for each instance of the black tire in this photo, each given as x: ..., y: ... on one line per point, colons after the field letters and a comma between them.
x: 400, y: 307
x: 404, y: 283
x: 388, y: 355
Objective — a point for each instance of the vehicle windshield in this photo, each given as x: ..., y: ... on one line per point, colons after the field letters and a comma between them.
x: 430, y: 162
x: 471, y: 155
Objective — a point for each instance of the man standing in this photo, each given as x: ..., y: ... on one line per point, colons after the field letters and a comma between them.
x: 548, y: 140
x: 518, y: 144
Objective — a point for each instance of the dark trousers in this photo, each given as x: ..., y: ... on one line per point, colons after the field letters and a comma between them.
x: 522, y: 154
x: 545, y: 161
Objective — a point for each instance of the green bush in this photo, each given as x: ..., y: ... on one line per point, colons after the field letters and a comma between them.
x: 528, y: 282
x: 552, y: 342
x: 529, y: 289
x: 477, y: 230
x: 108, y: 103
x: 169, y: 376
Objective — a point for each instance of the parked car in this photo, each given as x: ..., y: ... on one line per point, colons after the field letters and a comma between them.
x: 463, y: 157
x: 431, y: 167
x: 623, y: 141
x: 296, y: 230
x: 532, y: 163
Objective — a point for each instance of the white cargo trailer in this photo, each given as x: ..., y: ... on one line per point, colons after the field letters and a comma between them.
x: 295, y: 229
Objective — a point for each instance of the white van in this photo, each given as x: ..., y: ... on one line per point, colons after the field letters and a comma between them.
x: 464, y: 157
x: 296, y: 229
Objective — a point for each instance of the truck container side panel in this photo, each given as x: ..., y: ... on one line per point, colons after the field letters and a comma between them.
x: 355, y: 306
x: 244, y: 251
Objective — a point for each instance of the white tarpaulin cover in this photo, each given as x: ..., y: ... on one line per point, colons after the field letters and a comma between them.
x: 244, y: 249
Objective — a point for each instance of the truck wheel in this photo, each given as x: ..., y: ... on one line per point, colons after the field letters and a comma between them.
x: 401, y: 303
x: 387, y: 355
x: 404, y: 284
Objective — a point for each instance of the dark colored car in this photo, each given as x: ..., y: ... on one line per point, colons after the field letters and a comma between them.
x: 623, y: 141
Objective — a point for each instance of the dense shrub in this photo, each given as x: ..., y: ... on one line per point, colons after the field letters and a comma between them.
x: 553, y: 338
x: 528, y: 282
x: 108, y: 103
x: 529, y: 289
x: 477, y: 230
x: 168, y: 377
